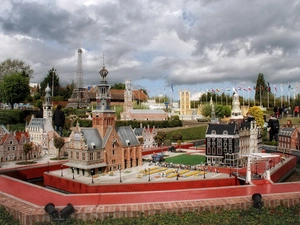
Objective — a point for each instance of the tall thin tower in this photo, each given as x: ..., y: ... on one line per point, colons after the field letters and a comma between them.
x: 79, y: 98
x: 79, y: 77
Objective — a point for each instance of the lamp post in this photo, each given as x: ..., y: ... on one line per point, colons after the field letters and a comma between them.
x: 61, y: 170
x: 149, y: 174
x: 230, y: 171
x: 73, y: 172
x: 120, y: 175
x: 48, y: 167
x: 177, y: 175
x: 204, y: 173
x: 92, y: 172
x: 256, y: 168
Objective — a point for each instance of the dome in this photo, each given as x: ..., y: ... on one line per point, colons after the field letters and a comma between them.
x: 48, y: 89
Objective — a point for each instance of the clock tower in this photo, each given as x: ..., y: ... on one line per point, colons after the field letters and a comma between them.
x: 103, y: 116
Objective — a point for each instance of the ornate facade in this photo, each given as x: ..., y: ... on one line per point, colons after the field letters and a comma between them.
x: 103, y: 147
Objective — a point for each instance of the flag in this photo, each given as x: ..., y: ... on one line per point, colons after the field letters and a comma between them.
x: 275, y: 88
x: 249, y: 88
x: 269, y: 89
x: 289, y: 87
x: 233, y: 89
x: 172, y: 88
x: 245, y: 89
x: 217, y: 89
x: 239, y: 88
x: 212, y: 90
x: 227, y: 89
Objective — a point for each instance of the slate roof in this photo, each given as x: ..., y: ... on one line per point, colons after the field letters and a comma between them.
x: 220, y: 128
x: 286, y: 131
x: 43, y: 123
x: 138, y: 131
x: 92, y: 135
x: 126, y: 135
x: 3, y: 128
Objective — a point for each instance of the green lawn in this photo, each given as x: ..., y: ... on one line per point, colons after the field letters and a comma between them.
x: 186, y: 159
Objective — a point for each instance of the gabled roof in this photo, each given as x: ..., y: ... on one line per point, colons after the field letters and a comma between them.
x: 3, y: 129
x: 41, y: 123
x: 127, y: 136
x: 286, y: 131
x: 92, y: 136
x: 220, y: 128
x: 19, y: 135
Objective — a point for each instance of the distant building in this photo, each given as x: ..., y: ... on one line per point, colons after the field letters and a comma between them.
x: 139, y: 114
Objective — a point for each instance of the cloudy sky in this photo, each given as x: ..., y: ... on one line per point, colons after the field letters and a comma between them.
x: 191, y: 44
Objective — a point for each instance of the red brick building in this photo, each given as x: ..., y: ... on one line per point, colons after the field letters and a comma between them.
x: 288, y: 139
x: 103, y: 147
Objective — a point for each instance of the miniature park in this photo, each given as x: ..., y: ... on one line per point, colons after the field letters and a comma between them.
x: 135, y: 163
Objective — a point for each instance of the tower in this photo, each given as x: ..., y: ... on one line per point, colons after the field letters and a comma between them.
x: 185, y: 103
x: 128, y: 104
x: 79, y: 98
x: 47, y: 106
x: 103, y: 116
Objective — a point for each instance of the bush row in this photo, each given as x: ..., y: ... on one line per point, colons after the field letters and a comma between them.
x: 157, y: 124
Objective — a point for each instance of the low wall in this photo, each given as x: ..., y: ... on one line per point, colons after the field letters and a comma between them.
x: 77, y: 187
x: 29, y: 214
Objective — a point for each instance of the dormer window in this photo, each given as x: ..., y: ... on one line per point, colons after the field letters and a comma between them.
x: 93, y: 145
x: 225, y: 132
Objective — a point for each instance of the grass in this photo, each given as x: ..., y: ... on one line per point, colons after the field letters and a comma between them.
x: 265, y: 216
x: 186, y: 159
x: 26, y: 163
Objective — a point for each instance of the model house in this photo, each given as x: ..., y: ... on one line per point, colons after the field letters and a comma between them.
x: 103, y: 148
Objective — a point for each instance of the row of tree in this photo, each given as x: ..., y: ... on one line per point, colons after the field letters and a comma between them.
x: 15, y: 78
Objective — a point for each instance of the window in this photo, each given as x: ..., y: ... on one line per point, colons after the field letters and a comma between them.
x: 113, y: 152
x: 91, y: 156
x: 77, y: 155
x: 98, y: 155
x: 71, y: 155
x: 213, y: 150
x: 113, y: 161
x: 83, y: 156
x: 14, y: 148
x: 208, y: 150
x: 8, y: 148
x: 10, y: 142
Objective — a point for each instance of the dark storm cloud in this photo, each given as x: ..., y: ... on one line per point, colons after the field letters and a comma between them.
x: 44, y: 21
x: 184, y: 42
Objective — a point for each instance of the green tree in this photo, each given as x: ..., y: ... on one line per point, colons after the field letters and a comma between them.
x: 52, y: 79
x: 66, y: 92
x: 26, y: 149
x: 206, y: 110
x: 14, y: 88
x: 177, y: 137
x: 160, y: 137
x: 59, y: 143
x: 13, y: 66
x: 261, y: 88
x: 119, y: 86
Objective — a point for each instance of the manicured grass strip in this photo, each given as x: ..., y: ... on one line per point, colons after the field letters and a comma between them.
x: 186, y: 159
